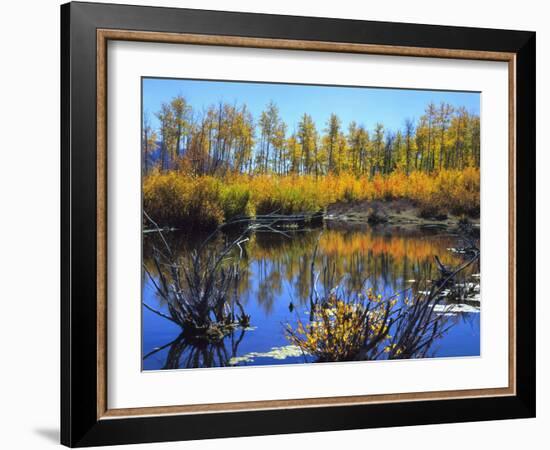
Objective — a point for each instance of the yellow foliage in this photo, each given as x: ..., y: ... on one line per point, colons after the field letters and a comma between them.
x: 175, y: 198
x: 289, y: 194
x: 339, y: 329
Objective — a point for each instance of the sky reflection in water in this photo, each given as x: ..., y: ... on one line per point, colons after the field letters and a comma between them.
x: 278, y: 275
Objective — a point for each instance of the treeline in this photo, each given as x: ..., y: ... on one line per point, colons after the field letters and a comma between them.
x: 227, y: 139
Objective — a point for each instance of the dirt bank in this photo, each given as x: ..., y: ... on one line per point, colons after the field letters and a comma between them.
x: 392, y: 212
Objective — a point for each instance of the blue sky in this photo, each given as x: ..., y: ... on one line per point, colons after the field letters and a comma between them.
x: 364, y: 105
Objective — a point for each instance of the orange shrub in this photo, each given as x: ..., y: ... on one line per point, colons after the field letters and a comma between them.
x: 172, y: 199
x: 177, y: 199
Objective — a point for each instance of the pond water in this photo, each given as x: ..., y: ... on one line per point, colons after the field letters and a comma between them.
x: 275, y: 284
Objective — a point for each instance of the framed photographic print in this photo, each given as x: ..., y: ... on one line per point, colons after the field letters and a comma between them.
x: 276, y: 224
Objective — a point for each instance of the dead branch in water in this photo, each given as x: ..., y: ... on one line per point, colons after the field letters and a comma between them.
x: 200, y: 291
x: 346, y: 326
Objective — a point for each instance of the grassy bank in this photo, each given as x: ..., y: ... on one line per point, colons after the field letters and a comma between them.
x: 175, y: 199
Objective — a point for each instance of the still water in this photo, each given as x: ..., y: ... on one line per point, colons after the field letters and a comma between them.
x: 275, y: 286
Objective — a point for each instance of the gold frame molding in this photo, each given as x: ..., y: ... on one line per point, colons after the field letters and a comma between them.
x: 105, y: 35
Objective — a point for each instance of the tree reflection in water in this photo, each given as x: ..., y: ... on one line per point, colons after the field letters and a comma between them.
x: 186, y: 353
x: 360, y: 324
x: 276, y: 276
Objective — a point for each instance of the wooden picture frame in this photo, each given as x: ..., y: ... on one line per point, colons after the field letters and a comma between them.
x: 86, y: 419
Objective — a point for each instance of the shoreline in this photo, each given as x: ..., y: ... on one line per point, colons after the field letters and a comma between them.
x: 400, y: 212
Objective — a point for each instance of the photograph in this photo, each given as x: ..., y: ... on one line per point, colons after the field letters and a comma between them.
x: 297, y: 224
